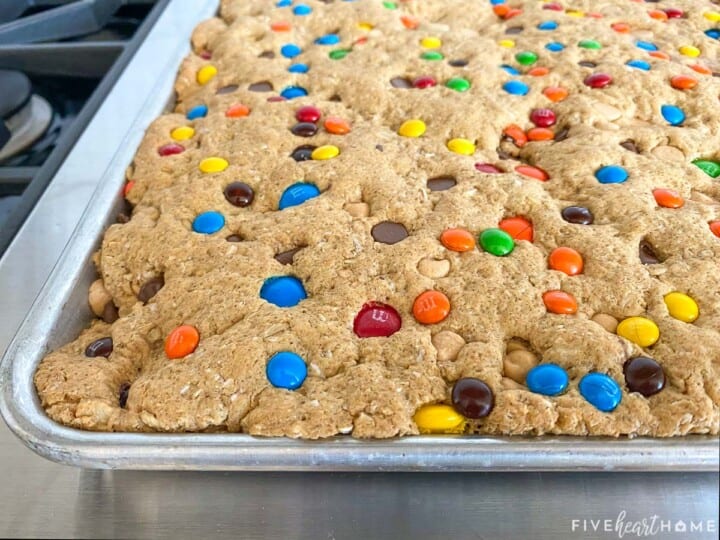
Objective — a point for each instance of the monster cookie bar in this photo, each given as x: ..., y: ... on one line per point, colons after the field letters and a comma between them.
x: 383, y: 218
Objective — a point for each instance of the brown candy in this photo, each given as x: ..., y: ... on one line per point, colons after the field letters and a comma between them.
x: 458, y: 63
x: 239, y: 194
x: 647, y: 253
x: 401, y: 82
x: 472, y: 398
x: 150, y: 288
x: 644, y: 375
x: 441, y: 183
x: 100, y: 347
x: 579, y: 215
x: 389, y: 232
x: 262, y: 86
x: 229, y: 89
x: 234, y: 238
x: 304, y: 129
x: 630, y: 145
x: 303, y: 153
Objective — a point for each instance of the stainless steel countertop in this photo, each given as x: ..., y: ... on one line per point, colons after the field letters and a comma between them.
x: 41, y: 499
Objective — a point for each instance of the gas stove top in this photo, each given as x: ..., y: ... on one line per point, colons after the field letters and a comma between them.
x: 58, y: 59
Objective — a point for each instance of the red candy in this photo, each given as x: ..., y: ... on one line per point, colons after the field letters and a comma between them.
x: 554, y: 6
x: 308, y: 113
x: 171, y: 149
x: 543, y: 117
x: 487, y: 168
x: 598, y: 80
x: 674, y: 13
x: 424, y: 82
x: 376, y: 320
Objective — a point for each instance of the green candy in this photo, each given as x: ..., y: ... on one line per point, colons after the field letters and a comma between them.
x: 590, y: 44
x: 497, y: 242
x: 432, y: 55
x: 390, y: 5
x: 526, y: 58
x: 339, y: 54
x: 458, y: 84
x: 709, y: 167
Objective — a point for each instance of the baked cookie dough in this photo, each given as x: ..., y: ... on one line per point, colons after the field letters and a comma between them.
x: 383, y: 218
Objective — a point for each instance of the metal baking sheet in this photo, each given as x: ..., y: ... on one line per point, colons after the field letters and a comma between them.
x: 61, y: 311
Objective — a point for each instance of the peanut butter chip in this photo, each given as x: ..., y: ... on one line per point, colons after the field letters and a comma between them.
x: 98, y: 297
x: 517, y: 364
x: 668, y: 153
x: 608, y: 322
x: 515, y: 345
x: 434, y: 269
x: 448, y: 345
x: 357, y: 209
x: 608, y: 111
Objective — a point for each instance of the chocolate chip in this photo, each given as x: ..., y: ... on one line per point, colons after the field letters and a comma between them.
x: 587, y: 63
x: 389, y: 232
x: 286, y: 257
x: 262, y: 86
x: 229, y: 89
x: 514, y: 30
x: 644, y: 375
x: 460, y: 62
x: 647, y: 253
x: 579, y: 215
x: 234, y: 238
x: 150, y: 288
x: 123, y: 397
x: 379, y: 147
x: 266, y: 54
x: 100, y: 347
x: 441, y: 183
x: 561, y: 135
x: 336, y: 98
x: 304, y: 129
x: 401, y: 82
x: 630, y: 145
x: 110, y: 313
x: 303, y: 153
x: 239, y: 194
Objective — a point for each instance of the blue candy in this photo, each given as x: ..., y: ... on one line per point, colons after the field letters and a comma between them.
x: 639, y: 64
x: 600, y: 391
x: 611, y: 174
x: 509, y: 69
x: 290, y: 50
x: 292, y: 92
x: 547, y: 25
x: 283, y: 291
x: 555, y: 46
x: 286, y: 370
x: 516, y: 88
x: 646, y: 45
x: 497, y: 2
x: 208, y: 222
x: 674, y: 115
x: 328, y: 39
x: 297, y: 194
x: 713, y: 33
x: 284, y: 3
x: 302, y: 9
x: 299, y: 68
x: 198, y: 111
x: 547, y: 379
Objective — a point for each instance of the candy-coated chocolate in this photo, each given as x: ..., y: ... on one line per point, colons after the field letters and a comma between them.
x: 644, y: 375
x: 213, y: 165
x: 526, y: 58
x: 533, y: 172
x: 431, y: 307
x: 283, y: 291
x: 458, y: 84
x: 328, y: 39
x: 424, y: 82
x: 496, y: 242
x: 673, y: 114
x: 337, y: 125
x: 181, y: 342
x: 457, y: 240
x: 578, y: 215
x: 566, y: 260
x: 547, y: 379
x: 292, y: 92
x: 640, y: 330
x: 518, y: 228
x: 389, y: 232
x: 598, y: 80
x: 376, y: 320
x: 472, y: 398
x: 412, y: 128
x: 304, y: 129
x: 560, y: 302
x: 170, y: 149
x: 601, y: 391
x: 639, y: 64
x: 715, y: 228
x: 516, y: 88
x: 464, y: 147
x: 611, y: 174
x: 237, y: 111
x: 430, y: 42
x: 299, y: 68
x: 99, y: 347
x: 708, y: 166
x: 239, y: 194
x: 290, y: 50
x: 208, y: 222
x: 439, y: 419
x: 297, y: 194
x: 325, y: 152
x: 308, y: 113
x: 286, y: 370
x: 206, y: 74
x: 543, y: 117
x: 303, y: 152
x: 198, y: 111
x: 668, y: 198
x: 681, y: 307
x: 182, y: 133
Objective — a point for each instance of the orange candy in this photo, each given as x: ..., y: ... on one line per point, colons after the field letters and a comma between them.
x: 237, y: 111
x: 555, y: 93
x: 540, y: 134
x: 518, y: 227
x: 539, y: 71
x: 621, y: 27
x: 660, y: 55
x: 181, y: 341
x: 501, y: 10
x: 715, y: 228
x: 517, y: 135
x: 457, y: 240
x: 698, y: 68
x: 410, y: 22
x: 560, y: 302
x: 658, y: 15
x: 280, y: 26
x: 566, y: 260
x: 337, y: 126
x: 513, y: 12
x: 668, y: 198
x: 533, y: 172
x: 128, y: 187
x: 683, y: 82
x: 431, y: 307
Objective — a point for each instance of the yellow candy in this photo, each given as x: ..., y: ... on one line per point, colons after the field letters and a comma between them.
x: 507, y: 43
x: 575, y: 12
x: 439, y: 419
x: 682, y: 307
x: 412, y: 128
x: 461, y: 146
x: 689, y: 50
x: 182, y: 133
x: 431, y: 43
x: 205, y: 74
x: 327, y: 151
x: 365, y: 26
x: 213, y: 164
x: 639, y: 330
x: 712, y: 16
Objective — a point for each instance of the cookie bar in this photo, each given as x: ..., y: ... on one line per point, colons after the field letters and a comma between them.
x: 383, y: 218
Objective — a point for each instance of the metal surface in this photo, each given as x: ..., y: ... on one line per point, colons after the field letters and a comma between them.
x: 61, y: 312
